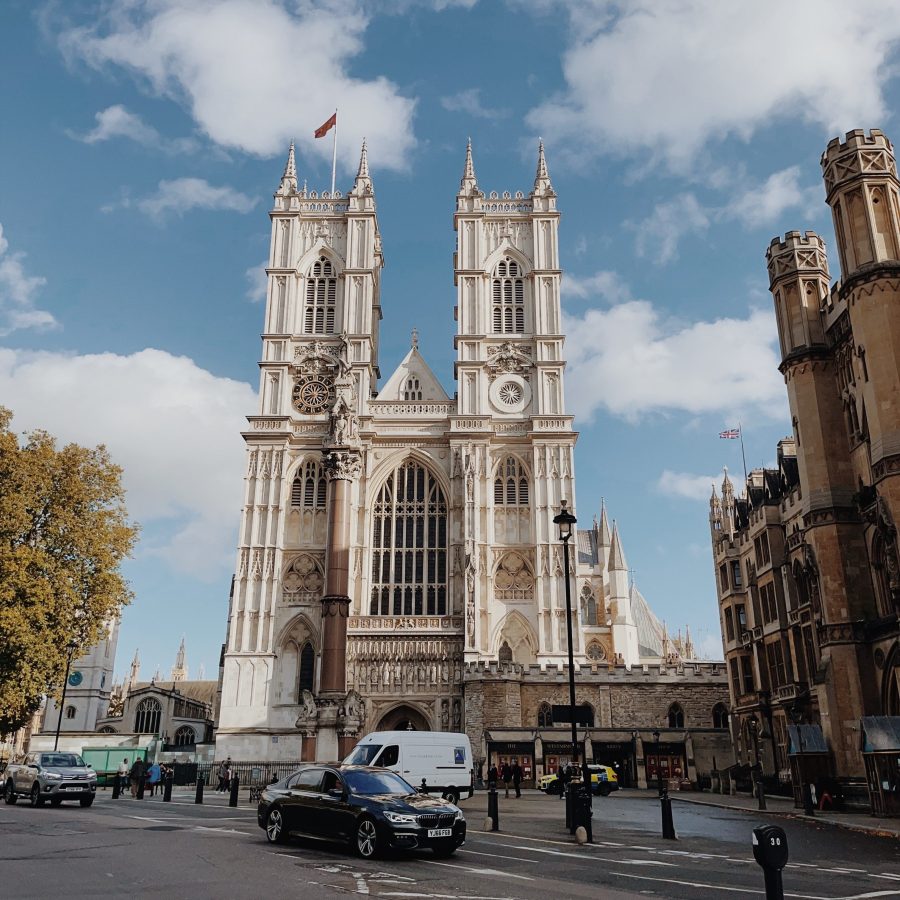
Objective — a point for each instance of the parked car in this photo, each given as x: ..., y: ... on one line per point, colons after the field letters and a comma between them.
x: 442, y: 759
x: 371, y: 809
x: 603, y: 780
x: 50, y: 776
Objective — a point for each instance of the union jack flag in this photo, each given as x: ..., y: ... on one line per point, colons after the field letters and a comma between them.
x: 732, y: 434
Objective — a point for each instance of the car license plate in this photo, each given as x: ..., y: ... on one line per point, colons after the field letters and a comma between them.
x: 440, y: 832
x: 74, y: 787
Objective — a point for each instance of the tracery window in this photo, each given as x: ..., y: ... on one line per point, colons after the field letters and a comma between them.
x: 513, y: 579
x: 545, y: 716
x: 589, y: 605
x: 409, y: 541
x: 720, y: 716
x: 505, y: 654
x: 307, y: 667
x: 185, y: 736
x: 511, y: 483
x: 676, y: 716
x: 146, y: 719
x: 508, y: 298
x: 303, y: 581
x: 308, y: 489
x: 321, y: 298
x: 412, y: 390
x: 596, y: 652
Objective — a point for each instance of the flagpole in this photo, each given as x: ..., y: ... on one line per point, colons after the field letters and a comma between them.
x: 743, y: 457
x: 334, y: 153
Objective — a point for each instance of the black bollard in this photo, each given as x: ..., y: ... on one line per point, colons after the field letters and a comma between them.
x: 583, y: 813
x: 494, y: 809
x: 198, y: 797
x: 233, y: 798
x: 770, y: 850
x: 809, y: 808
x: 668, y: 825
x: 167, y: 790
x: 116, y: 788
x: 140, y: 788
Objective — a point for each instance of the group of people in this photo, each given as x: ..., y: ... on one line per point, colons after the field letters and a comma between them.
x: 154, y: 776
x: 225, y: 773
x: 508, y: 774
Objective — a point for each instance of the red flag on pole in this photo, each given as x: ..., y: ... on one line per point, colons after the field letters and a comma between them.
x: 323, y: 129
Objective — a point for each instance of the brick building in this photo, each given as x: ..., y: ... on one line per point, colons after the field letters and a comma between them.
x: 806, y: 559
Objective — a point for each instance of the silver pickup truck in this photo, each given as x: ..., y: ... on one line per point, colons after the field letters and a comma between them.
x: 53, y: 776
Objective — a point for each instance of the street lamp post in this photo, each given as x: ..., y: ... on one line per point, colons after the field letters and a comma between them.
x: 757, y: 769
x: 665, y: 802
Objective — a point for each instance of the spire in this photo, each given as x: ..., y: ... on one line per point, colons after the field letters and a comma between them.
x: 603, y: 538
x: 542, y: 176
x: 616, y: 556
x: 179, y: 670
x: 363, y: 183
x: 135, y: 672
x: 289, y: 178
x: 414, y: 339
x: 468, y: 184
x: 727, y: 486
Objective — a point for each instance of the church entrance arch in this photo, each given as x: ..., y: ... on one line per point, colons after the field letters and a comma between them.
x: 403, y: 718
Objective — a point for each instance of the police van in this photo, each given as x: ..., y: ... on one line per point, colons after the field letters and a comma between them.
x: 442, y: 759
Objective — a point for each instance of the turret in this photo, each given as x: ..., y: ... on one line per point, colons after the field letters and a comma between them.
x: 624, y: 629
x: 862, y: 190
x: 715, y: 515
x: 542, y: 186
x: 468, y: 184
x: 729, y: 512
x: 288, y: 184
x: 798, y: 280
x: 179, y: 670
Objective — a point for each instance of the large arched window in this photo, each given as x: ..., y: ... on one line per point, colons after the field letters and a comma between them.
x: 307, y: 668
x: 321, y: 298
x: 409, y: 545
x: 545, y: 716
x: 185, y: 736
x: 308, y: 489
x: 511, y: 483
x: 146, y: 719
x: 508, y: 298
x: 676, y: 716
x: 720, y: 716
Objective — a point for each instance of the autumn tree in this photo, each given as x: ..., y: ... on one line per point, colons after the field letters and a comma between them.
x: 64, y: 531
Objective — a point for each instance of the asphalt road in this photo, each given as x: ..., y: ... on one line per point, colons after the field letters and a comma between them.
x: 129, y: 848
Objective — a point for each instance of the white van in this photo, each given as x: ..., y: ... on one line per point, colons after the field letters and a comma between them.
x: 442, y: 758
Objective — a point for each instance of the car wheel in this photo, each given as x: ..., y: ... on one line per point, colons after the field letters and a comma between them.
x: 444, y: 849
x: 452, y: 797
x: 275, y: 833
x: 36, y: 798
x: 9, y: 795
x: 86, y: 801
x: 366, y: 839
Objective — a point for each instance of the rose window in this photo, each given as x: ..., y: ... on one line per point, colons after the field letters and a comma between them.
x: 596, y: 652
x: 510, y: 393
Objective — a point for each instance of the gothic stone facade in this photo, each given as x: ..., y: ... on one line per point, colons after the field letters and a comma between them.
x: 392, y: 536
x: 808, y: 577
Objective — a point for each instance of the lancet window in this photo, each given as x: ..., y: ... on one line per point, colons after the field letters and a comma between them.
x: 412, y: 390
x: 146, y: 719
x: 511, y: 483
x: 508, y: 288
x: 308, y: 488
x: 321, y: 298
x: 307, y: 668
x: 409, y: 540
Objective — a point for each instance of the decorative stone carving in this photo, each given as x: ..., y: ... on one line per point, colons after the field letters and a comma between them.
x: 342, y: 466
x: 513, y: 579
x: 303, y: 580
x: 309, y: 712
x: 508, y: 358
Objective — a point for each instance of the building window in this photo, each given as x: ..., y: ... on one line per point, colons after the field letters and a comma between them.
x: 412, y: 390
x: 545, y: 716
x: 595, y: 652
x: 511, y: 483
x: 308, y: 489
x: 735, y: 677
x: 505, y: 654
x: 729, y: 624
x: 185, y: 736
x: 769, y: 600
x: 321, y: 298
x: 723, y: 577
x: 676, y: 716
x: 107, y: 729
x: 741, y: 614
x: 736, y: 574
x: 70, y: 712
x: 775, y: 657
x: 720, y: 716
x: 146, y: 719
x: 307, y: 667
x: 747, y: 674
x: 761, y: 546
x: 508, y: 298
x: 409, y: 540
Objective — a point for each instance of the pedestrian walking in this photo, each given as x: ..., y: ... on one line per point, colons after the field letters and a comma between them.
x: 223, y: 775
x: 564, y: 775
x: 122, y: 775
x: 137, y: 773
x: 506, y: 776
x: 517, y: 778
x: 492, y: 778
x: 153, y: 777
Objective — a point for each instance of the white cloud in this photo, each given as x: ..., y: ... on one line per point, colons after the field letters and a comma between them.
x: 255, y: 73
x: 469, y: 102
x: 17, y: 293
x: 173, y: 426
x: 766, y: 203
x: 117, y: 122
x: 182, y: 195
x: 658, y: 235
x: 257, y: 283
x: 631, y: 66
x: 630, y: 361
x: 605, y: 284
x: 685, y: 485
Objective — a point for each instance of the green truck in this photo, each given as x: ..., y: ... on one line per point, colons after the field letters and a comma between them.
x: 105, y: 760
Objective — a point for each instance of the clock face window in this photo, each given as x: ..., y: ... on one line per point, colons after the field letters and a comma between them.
x: 311, y: 395
x: 75, y: 679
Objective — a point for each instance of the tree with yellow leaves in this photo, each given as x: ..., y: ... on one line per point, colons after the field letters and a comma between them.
x: 64, y: 531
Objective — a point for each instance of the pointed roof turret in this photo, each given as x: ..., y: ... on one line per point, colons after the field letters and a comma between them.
x: 542, y: 183
x: 468, y: 183
x: 603, y: 535
x: 179, y: 670
x: 289, y: 178
x: 363, y: 183
x: 616, y: 556
x: 413, y: 379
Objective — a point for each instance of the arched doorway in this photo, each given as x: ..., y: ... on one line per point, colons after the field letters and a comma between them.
x: 403, y: 718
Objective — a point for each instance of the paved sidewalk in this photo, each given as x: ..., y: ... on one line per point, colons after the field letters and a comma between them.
x: 784, y: 806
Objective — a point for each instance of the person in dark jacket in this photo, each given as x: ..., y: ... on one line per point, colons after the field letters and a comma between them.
x: 506, y: 776
x: 493, y: 775
x: 137, y: 773
x: 517, y: 778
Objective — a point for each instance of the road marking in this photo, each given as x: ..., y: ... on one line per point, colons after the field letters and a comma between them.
x: 887, y: 875
x: 467, y: 851
x: 477, y: 871
x: 220, y: 830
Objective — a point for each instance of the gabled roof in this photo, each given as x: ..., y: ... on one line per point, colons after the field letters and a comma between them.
x: 413, y: 366
x: 649, y: 628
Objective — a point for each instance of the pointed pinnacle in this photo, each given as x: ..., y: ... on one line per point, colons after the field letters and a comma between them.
x: 468, y: 178
x: 363, y: 171
x: 290, y: 168
x: 616, y: 556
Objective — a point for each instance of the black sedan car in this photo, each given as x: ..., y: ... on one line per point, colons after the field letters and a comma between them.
x: 369, y: 808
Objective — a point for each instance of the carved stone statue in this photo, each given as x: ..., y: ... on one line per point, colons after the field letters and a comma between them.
x: 309, y: 711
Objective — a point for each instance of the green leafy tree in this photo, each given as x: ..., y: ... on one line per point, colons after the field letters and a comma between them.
x: 64, y: 531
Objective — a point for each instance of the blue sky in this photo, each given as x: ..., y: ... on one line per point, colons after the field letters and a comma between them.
x: 141, y: 144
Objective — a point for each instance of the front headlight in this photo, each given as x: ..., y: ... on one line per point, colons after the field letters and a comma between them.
x: 459, y: 815
x: 400, y: 818
x: 53, y: 776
